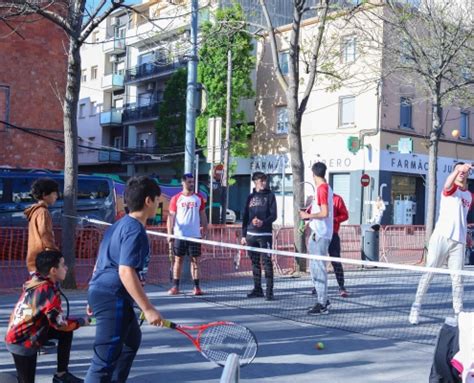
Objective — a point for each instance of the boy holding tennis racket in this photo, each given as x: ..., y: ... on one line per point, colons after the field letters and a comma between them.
x: 448, y: 241
x: 321, y: 223
x: 117, y: 283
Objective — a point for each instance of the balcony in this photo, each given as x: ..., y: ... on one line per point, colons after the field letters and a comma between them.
x: 111, y: 117
x: 109, y: 156
x: 140, y: 113
x: 114, y: 46
x: 151, y: 70
x: 112, y: 82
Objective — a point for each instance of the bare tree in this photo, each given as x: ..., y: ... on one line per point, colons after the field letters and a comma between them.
x: 429, y: 47
x: 77, y: 23
x: 311, y: 57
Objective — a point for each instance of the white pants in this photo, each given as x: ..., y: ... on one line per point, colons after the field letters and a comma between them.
x: 319, y: 275
x: 440, y: 250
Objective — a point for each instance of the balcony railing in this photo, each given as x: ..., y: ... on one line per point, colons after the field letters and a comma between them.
x: 140, y: 113
x: 112, y: 82
x: 109, y: 156
x: 151, y: 70
x: 114, y: 46
x: 111, y: 117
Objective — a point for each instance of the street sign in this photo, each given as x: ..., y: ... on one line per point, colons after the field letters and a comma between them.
x: 405, y: 145
x: 218, y: 172
x: 365, y: 180
x: 214, y: 142
x: 353, y: 144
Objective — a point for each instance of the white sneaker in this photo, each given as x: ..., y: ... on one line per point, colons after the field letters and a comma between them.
x: 414, y: 317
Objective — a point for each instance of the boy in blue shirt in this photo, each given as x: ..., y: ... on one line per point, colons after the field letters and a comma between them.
x: 117, y: 283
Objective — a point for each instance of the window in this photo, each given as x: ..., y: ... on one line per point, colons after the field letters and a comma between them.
x: 82, y: 110
x: 83, y: 75
x: 92, y: 189
x: 284, y: 58
x: 117, y: 142
x: 276, y: 185
x: 93, y: 111
x: 348, y: 49
x: 282, y: 120
x: 94, y: 73
x: 346, y: 111
x: 464, y: 125
x: 405, y: 112
x: 144, y: 140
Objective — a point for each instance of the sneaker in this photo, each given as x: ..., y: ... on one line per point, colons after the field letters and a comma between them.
x: 67, y: 378
x: 328, y: 304
x: 197, y: 291
x: 255, y: 294
x: 319, y: 309
x: 343, y: 293
x: 414, y: 317
x: 173, y: 291
x: 269, y: 296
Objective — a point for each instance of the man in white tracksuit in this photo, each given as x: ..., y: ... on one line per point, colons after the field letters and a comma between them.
x: 448, y: 241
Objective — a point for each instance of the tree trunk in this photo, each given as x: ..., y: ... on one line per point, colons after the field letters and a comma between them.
x: 297, y: 167
x: 436, y: 128
x: 71, y: 161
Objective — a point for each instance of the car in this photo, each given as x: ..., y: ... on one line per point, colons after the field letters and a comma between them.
x: 230, y: 216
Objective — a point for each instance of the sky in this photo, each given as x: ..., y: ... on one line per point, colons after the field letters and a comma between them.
x: 90, y: 4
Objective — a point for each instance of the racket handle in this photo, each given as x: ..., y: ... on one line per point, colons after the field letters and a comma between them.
x: 168, y: 324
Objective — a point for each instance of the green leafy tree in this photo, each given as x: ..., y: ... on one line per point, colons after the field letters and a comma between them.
x: 226, y: 32
x: 171, y: 125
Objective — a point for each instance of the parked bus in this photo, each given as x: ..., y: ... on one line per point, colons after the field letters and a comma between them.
x: 96, y: 197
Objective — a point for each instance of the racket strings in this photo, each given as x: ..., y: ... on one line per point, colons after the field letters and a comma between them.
x: 218, y: 342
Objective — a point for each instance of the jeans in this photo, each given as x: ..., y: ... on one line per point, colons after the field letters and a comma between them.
x: 263, y: 242
x: 335, y: 251
x: 319, y: 275
x: 117, y: 338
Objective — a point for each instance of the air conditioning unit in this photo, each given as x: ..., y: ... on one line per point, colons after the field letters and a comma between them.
x: 150, y: 86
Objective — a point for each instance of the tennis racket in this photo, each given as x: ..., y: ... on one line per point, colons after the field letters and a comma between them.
x: 171, y: 258
x: 309, y: 195
x: 217, y: 340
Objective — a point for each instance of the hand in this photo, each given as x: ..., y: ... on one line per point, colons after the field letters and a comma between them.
x: 87, y: 320
x: 89, y: 311
x: 153, y: 317
x: 169, y: 239
x: 304, y: 215
x: 204, y: 233
x: 257, y: 222
x: 243, y: 241
x: 464, y: 168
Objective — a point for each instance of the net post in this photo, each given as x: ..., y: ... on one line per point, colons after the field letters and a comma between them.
x: 231, y: 372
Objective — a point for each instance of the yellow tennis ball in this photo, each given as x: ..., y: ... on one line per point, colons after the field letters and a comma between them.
x: 455, y: 133
x: 320, y: 345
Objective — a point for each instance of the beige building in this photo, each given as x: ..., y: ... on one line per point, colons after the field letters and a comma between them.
x: 391, y: 117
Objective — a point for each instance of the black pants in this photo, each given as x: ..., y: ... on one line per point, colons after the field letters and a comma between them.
x: 335, y: 251
x: 263, y: 242
x: 26, y: 365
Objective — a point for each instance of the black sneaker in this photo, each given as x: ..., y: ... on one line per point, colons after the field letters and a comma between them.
x: 255, y: 294
x: 48, y: 344
x: 269, y: 296
x: 318, y: 309
x: 67, y: 378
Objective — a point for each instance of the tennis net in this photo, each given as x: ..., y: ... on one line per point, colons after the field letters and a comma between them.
x: 380, y: 293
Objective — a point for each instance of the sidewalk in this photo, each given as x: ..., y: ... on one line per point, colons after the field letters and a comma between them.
x: 286, y: 353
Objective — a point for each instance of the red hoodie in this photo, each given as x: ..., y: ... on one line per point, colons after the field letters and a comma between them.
x: 340, y: 212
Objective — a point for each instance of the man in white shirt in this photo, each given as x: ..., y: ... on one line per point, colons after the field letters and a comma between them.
x: 448, y: 241
x: 321, y: 224
x: 186, y: 217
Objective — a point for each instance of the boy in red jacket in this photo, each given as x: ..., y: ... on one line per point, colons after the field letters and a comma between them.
x: 38, y: 317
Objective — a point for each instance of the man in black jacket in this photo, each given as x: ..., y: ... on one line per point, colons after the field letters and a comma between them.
x: 259, y: 214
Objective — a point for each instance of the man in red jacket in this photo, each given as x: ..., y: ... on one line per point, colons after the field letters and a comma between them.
x: 340, y: 215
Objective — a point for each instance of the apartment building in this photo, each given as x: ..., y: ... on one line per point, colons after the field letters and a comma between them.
x: 391, y: 118
x: 126, y: 64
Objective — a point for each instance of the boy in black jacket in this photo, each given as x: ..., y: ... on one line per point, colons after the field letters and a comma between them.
x: 259, y: 214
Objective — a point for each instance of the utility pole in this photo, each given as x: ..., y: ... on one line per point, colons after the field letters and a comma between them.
x: 190, y: 145
x: 228, y: 124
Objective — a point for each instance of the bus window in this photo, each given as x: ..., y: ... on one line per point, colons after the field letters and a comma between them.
x: 93, y: 189
x: 21, y: 190
x: 2, y: 193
